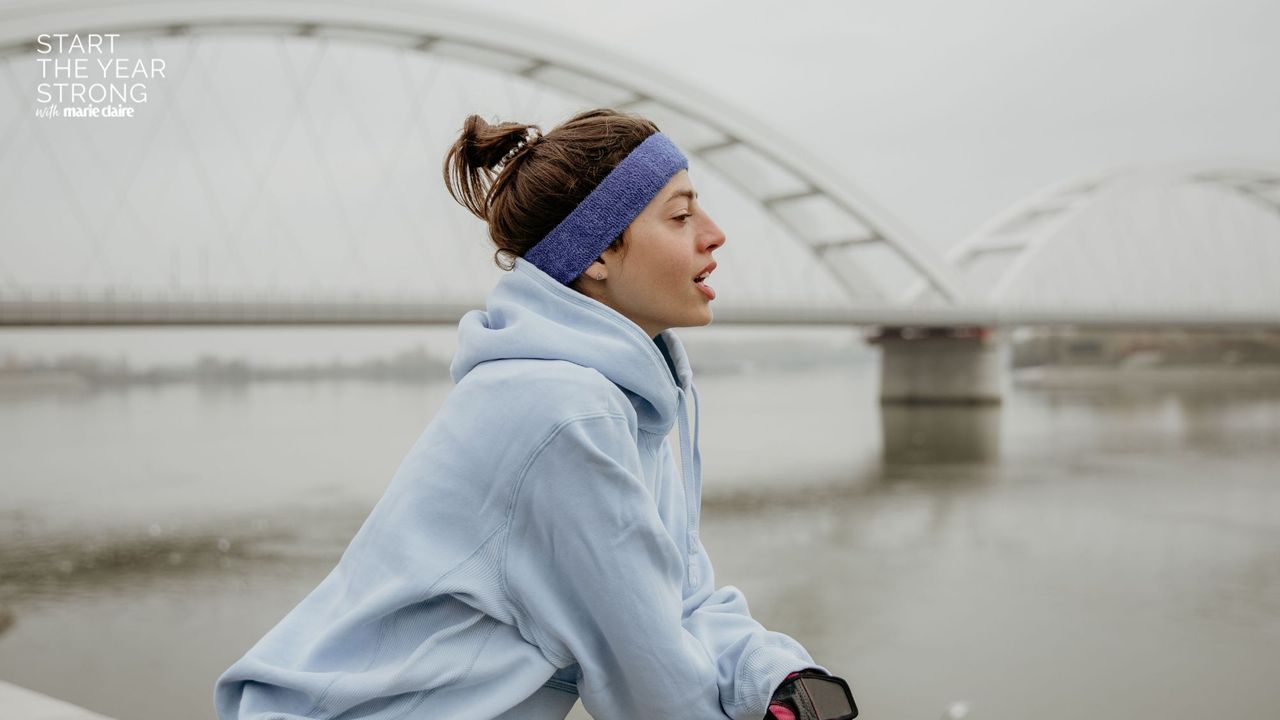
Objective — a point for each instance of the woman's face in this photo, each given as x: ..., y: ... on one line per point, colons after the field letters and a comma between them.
x: 651, y: 278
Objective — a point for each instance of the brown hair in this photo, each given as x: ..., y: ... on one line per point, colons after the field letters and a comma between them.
x: 523, y: 185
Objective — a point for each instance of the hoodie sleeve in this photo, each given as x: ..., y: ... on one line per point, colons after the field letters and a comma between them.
x: 751, y: 662
x: 598, y: 580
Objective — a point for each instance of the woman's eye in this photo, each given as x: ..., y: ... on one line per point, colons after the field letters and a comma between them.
x: 685, y: 217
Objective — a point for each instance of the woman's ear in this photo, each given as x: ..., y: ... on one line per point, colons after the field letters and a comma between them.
x: 597, y: 270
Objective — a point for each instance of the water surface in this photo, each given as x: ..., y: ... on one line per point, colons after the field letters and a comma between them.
x: 1105, y: 547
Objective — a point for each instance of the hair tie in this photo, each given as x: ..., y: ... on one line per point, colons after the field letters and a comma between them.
x: 525, y: 142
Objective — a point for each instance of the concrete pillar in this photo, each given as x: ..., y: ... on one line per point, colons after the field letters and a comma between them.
x: 941, y: 366
x: 940, y: 393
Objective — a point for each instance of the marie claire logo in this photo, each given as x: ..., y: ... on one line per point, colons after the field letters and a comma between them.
x: 81, y: 77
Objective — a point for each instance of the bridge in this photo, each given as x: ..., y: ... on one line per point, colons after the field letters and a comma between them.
x: 283, y: 171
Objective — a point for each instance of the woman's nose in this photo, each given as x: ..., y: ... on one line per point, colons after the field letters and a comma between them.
x: 712, y: 236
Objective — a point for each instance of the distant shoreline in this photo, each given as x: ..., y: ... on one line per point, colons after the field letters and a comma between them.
x: 1051, y: 377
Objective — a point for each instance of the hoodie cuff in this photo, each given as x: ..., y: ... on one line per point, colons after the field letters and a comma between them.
x: 762, y: 672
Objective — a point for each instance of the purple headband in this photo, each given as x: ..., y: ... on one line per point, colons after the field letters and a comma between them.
x: 607, y: 210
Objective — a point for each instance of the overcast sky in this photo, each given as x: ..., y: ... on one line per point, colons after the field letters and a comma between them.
x: 947, y: 112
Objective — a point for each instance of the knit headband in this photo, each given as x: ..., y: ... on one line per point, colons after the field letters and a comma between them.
x: 608, y: 209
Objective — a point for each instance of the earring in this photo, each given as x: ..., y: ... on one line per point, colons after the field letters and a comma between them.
x: 599, y: 276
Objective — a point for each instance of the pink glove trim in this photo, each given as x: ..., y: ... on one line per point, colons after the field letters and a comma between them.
x: 781, y: 712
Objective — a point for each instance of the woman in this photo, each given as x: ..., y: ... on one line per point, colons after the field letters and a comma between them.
x: 539, y: 543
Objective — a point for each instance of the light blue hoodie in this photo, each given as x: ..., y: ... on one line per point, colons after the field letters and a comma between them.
x: 537, y: 542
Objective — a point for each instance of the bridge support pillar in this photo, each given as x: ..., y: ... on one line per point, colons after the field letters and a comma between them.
x: 940, y: 393
x: 941, y: 366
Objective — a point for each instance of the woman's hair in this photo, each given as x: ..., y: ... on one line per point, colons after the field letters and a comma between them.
x: 523, y: 185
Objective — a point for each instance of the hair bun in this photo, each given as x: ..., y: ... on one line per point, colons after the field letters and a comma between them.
x: 472, y: 164
x: 488, y: 146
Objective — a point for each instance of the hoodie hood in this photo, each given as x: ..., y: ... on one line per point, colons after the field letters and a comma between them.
x: 530, y: 315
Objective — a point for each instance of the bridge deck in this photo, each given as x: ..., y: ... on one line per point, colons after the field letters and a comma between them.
x: 135, y: 313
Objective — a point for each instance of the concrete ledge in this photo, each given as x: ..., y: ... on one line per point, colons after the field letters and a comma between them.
x: 19, y: 702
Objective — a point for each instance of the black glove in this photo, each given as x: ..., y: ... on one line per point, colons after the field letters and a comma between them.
x: 814, y: 695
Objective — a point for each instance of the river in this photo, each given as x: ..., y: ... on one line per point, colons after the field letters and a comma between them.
x: 1104, y: 546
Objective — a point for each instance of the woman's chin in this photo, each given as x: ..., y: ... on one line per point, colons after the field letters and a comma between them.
x: 704, y: 317
x: 697, y: 318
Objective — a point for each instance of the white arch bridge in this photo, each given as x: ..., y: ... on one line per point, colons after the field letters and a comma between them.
x: 285, y: 164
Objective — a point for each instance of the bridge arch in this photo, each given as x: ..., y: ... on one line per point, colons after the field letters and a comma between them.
x: 868, y: 253
x: 1191, y: 240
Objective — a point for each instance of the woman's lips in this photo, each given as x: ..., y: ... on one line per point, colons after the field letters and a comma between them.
x: 702, y: 285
